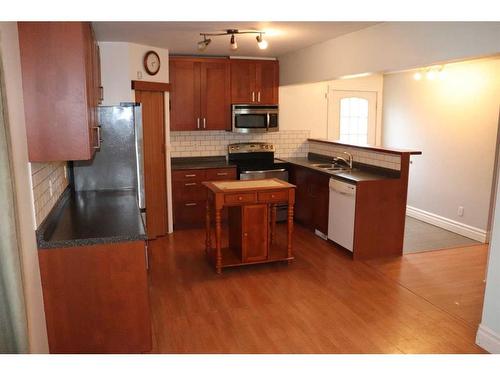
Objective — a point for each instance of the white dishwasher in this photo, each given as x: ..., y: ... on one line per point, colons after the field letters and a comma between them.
x: 342, y: 207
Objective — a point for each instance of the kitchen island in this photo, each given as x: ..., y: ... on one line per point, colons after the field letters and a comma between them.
x: 252, y: 217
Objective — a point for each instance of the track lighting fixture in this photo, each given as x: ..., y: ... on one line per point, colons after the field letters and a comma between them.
x: 430, y: 73
x: 261, y: 42
x: 233, y: 45
x: 204, y: 43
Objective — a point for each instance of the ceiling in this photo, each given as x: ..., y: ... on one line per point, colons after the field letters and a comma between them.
x: 182, y: 37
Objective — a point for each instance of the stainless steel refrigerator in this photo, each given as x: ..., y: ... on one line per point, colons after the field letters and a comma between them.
x: 119, y: 164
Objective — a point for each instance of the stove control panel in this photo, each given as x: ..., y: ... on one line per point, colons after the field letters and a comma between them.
x: 238, y: 148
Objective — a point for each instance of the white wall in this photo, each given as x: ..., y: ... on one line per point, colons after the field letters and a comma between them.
x: 488, y: 335
x: 9, y: 45
x: 305, y: 106
x: 123, y: 62
x: 389, y: 47
x: 454, y: 123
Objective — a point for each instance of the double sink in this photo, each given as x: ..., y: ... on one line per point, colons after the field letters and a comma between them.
x: 332, y: 168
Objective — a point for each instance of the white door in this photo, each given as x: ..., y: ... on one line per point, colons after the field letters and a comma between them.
x: 352, y: 116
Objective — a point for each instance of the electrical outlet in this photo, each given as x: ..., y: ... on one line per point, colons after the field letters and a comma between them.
x: 460, y: 211
x: 51, y: 191
x: 139, y: 74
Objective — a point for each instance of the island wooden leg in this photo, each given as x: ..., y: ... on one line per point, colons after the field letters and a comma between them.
x: 273, y: 222
x: 218, y: 263
x: 290, y: 231
x: 208, y: 239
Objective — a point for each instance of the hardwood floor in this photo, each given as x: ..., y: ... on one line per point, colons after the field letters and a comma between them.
x: 324, y: 302
x: 452, y: 279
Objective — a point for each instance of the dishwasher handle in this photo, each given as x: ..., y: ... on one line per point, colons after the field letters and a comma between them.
x: 341, y: 187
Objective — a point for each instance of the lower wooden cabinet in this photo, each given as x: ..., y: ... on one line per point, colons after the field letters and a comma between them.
x: 312, y: 197
x: 247, y: 235
x: 96, y: 298
x: 190, y: 196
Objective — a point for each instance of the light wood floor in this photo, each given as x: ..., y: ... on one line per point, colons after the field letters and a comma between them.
x: 322, y: 303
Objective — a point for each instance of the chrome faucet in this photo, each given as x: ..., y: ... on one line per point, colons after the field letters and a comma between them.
x: 347, y: 161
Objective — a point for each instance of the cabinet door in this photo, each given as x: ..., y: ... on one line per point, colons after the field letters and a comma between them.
x: 243, y: 81
x: 55, y: 65
x: 255, y: 232
x: 321, y: 193
x: 267, y: 82
x: 303, y: 205
x: 215, y: 95
x: 185, y: 95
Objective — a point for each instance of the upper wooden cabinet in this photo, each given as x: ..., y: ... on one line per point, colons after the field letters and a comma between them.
x: 200, y: 94
x: 254, y: 81
x: 61, y: 79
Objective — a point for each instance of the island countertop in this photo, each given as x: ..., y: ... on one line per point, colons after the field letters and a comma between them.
x: 82, y: 218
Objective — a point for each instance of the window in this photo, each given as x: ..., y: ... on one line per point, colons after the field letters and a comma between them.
x: 352, y: 116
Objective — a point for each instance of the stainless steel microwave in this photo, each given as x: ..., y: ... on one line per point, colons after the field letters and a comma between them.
x: 254, y: 118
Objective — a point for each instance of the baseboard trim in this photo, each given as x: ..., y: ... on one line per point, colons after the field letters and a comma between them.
x: 488, y: 339
x: 448, y: 224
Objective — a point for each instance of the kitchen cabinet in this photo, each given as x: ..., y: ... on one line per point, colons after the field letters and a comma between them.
x: 312, y: 197
x: 200, y: 94
x: 254, y: 81
x: 190, y: 196
x: 61, y: 80
x: 96, y: 298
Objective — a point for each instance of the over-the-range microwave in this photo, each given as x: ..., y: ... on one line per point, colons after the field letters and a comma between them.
x: 254, y: 118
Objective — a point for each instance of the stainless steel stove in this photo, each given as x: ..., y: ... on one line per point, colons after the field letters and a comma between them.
x: 256, y: 161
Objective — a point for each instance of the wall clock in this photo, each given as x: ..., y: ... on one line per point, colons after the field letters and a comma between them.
x: 151, y: 62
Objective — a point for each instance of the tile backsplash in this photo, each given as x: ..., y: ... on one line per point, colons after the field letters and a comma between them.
x: 49, y: 183
x: 376, y: 158
x: 288, y: 143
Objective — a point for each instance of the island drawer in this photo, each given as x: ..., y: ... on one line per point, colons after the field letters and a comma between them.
x: 273, y: 196
x: 240, y: 198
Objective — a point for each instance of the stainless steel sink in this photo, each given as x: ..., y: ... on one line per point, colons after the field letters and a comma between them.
x: 324, y: 166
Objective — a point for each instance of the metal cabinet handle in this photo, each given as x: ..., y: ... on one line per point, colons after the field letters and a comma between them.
x: 258, y: 96
x: 221, y: 173
x: 190, y: 184
x: 189, y: 175
x: 204, y: 123
x: 99, y: 140
x: 240, y: 198
x: 198, y: 123
x: 253, y: 96
x: 190, y: 204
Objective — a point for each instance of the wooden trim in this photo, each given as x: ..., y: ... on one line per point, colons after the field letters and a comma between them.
x: 150, y: 86
x: 372, y: 148
x: 198, y: 59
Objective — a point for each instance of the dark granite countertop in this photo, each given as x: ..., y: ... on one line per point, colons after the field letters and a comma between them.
x: 92, y: 217
x: 359, y: 173
x: 201, y: 162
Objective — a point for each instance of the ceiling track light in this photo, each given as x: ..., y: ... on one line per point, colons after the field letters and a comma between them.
x: 261, y: 42
x: 430, y: 73
x: 204, y: 43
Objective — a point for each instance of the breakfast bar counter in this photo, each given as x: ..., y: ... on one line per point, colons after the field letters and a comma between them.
x: 252, y: 215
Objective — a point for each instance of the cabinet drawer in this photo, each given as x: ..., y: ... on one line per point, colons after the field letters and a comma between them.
x: 273, y: 196
x: 188, y: 191
x: 240, y: 198
x: 189, y: 175
x: 189, y: 214
x: 221, y: 174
